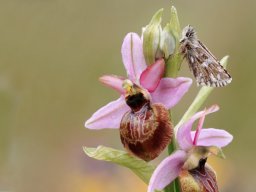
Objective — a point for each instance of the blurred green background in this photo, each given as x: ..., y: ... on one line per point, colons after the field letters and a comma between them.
x: 51, y: 55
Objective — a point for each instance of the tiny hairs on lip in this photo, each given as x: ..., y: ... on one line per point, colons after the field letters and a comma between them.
x: 146, y: 129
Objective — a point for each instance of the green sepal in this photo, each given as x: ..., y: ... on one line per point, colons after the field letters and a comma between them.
x: 167, y: 42
x: 140, y: 167
x: 175, y: 25
x: 175, y: 60
x: 151, y: 37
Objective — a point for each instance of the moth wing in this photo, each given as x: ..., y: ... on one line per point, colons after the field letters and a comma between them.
x: 207, y: 69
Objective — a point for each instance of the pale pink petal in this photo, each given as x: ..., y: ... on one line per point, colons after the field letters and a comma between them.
x: 151, y: 77
x: 108, y: 116
x: 213, y: 137
x: 113, y: 81
x: 199, y: 128
x: 133, y: 58
x: 167, y: 171
x: 170, y: 91
x: 184, y: 131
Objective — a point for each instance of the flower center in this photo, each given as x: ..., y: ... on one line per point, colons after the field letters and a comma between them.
x: 136, y: 97
x: 136, y: 102
x: 201, y: 164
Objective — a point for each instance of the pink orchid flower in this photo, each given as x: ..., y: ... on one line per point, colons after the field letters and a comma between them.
x: 167, y: 91
x: 171, y: 167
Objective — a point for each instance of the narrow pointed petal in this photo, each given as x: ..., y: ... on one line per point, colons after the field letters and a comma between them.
x: 152, y: 75
x: 113, y: 81
x: 167, y: 171
x: 184, y: 132
x: 170, y: 91
x: 133, y: 58
x: 213, y: 137
x: 199, y: 128
x: 108, y: 116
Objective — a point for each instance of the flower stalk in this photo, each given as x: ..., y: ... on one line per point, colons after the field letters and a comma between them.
x: 172, y: 68
x: 199, y: 99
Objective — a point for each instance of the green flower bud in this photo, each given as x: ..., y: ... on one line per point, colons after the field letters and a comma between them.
x: 160, y: 43
x: 174, y: 61
x: 174, y: 26
x: 151, y: 38
x: 167, y: 42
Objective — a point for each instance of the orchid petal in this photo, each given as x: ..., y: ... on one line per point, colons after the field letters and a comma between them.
x: 133, y: 58
x: 198, y: 129
x: 213, y: 137
x: 108, y: 116
x: 184, y: 132
x: 113, y: 81
x: 170, y: 91
x: 167, y: 171
x: 152, y: 75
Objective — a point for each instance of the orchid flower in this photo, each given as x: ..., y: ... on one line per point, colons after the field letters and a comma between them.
x: 167, y: 91
x: 195, y: 147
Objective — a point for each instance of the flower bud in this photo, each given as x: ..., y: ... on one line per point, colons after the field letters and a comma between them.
x: 158, y: 43
x: 146, y: 130
x: 151, y: 38
x: 167, y: 42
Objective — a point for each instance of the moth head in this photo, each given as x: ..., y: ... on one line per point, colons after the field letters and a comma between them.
x: 188, y: 34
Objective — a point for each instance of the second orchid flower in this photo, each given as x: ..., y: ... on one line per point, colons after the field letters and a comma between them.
x: 189, y: 162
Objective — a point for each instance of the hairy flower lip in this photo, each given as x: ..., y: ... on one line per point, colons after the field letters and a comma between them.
x: 167, y: 91
x: 147, y: 132
x: 199, y: 179
x: 162, y: 176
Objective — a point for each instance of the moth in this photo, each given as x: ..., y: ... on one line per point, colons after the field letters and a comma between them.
x: 205, y: 67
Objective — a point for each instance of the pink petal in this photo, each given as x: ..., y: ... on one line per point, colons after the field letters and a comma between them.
x: 184, y: 132
x: 151, y: 77
x: 108, y: 116
x: 167, y: 171
x: 170, y: 91
x: 213, y: 137
x: 133, y: 58
x: 199, y: 128
x: 113, y: 81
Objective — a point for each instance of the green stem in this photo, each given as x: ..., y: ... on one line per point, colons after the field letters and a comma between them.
x: 193, y: 108
x: 172, y: 68
x: 199, y: 100
x: 173, y: 65
x: 196, y: 104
